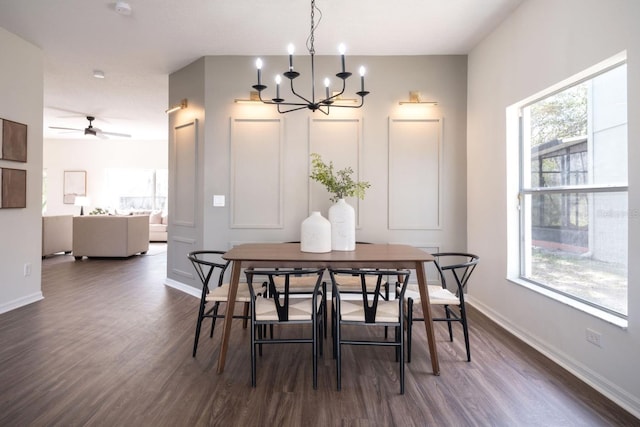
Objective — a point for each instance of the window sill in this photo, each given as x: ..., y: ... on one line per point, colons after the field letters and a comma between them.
x: 593, y: 311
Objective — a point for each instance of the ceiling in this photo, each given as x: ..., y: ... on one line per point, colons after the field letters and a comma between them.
x: 138, y: 52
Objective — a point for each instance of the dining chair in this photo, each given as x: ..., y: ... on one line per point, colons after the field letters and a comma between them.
x: 370, y: 309
x: 458, y: 266
x: 281, y: 306
x: 210, y: 268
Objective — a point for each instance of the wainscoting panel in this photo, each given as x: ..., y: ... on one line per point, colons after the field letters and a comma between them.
x: 182, y: 266
x: 256, y: 173
x: 415, y: 175
x: 185, y: 176
x: 339, y: 141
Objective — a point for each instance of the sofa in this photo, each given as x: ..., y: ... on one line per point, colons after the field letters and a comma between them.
x: 110, y: 235
x: 158, y: 227
x: 57, y: 234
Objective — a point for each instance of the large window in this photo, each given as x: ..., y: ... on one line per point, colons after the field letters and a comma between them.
x: 137, y: 189
x: 573, y: 190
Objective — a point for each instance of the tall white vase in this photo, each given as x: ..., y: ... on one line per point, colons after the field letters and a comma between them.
x: 342, y: 217
x: 315, y: 234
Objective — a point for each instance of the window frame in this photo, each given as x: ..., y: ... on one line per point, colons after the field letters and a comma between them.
x: 531, y: 191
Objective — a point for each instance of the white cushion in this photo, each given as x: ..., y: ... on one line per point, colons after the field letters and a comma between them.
x: 437, y: 295
x: 220, y: 293
x: 155, y: 217
x: 299, y: 308
x: 387, y: 311
x: 165, y: 219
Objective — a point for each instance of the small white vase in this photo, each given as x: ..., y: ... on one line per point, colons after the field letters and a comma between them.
x: 315, y: 234
x: 342, y: 217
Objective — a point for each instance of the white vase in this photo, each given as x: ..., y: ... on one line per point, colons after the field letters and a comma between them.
x: 315, y: 234
x: 342, y: 217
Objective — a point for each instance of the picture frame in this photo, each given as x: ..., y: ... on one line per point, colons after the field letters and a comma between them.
x: 13, y: 188
x: 75, y: 184
x: 13, y: 141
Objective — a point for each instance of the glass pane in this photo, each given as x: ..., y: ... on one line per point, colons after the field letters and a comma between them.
x: 577, y: 244
x: 578, y: 136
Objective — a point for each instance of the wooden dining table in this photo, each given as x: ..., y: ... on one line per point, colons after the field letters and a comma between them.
x: 289, y: 255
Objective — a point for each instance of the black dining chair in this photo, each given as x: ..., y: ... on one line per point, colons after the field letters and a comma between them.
x: 282, y: 307
x: 457, y: 266
x: 210, y: 268
x: 370, y: 309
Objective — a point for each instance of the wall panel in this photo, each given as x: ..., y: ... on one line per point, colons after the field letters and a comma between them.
x: 415, y: 159
x: 256, y: 173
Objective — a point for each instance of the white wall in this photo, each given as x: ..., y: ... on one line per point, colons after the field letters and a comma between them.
x: 95, y: 156
x: 20, y: 229
x: 542, y: 43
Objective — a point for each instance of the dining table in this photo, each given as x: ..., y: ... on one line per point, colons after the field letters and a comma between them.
x: 289, y: 255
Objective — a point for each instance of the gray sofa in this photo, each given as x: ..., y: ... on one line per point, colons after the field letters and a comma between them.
x: 57, y: 234
x: 110, y: 235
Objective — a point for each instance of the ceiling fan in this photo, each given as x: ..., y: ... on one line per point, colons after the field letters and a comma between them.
x: 90, y: 130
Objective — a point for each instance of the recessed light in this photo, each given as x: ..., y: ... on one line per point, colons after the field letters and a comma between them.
x: 98, y: 74
x: 123, y: 8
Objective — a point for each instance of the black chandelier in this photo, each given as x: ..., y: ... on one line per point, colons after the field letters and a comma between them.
x: 312, y: 104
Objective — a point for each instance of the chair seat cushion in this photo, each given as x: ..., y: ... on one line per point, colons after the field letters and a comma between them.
x: 296, y: 284
x: 299, y: 308
x: 220, y: 293
x: 353, y: 311
x: 437, y: 295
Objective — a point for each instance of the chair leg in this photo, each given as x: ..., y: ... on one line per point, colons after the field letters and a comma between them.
x: 246, y: 315
x: 198, y: 328
x: 253, y: 354
x: 465, y: 330
x: 337, y: 351
x: 324, y: 307
x: 448, y: 314
x: 314, y: 346
x: 409, y: 327
x: 213, y: 318
x: 401, y: 338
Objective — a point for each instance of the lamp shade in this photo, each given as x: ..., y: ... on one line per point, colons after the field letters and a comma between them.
x: 82, y: 201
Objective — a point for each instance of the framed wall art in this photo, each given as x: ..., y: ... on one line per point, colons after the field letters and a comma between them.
x: 75, y: 184
x: 13, y: 188
x: 13, y: 141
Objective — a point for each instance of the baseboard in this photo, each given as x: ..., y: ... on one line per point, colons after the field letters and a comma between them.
x: 182, y: 287
x: 20, y: 302
x: 616, y: 394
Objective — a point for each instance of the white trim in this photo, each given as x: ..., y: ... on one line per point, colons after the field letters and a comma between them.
x: 20, y: 302
x: 189, y: 290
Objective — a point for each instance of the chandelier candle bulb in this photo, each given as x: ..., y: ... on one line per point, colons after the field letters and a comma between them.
x: 278, y: 80
x: 342, y: 51
x: 259, y: 67
x: 362, y: 79
x: 290, y: 48
x: 326, y: 86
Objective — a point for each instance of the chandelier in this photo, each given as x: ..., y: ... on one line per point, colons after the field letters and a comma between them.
x: 302, y: 102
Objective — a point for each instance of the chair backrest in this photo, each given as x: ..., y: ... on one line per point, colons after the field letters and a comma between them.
x: 370, y: 294
x: 206, y: 263
x: 280, y: 294
x: 460, y: 265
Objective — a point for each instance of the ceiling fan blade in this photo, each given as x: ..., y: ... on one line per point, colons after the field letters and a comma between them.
x: 61, y: 128
x: 123, y: 135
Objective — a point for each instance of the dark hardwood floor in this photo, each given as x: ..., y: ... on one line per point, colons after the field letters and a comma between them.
x: 110, y: 345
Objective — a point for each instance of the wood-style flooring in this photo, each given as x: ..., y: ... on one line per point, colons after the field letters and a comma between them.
x: 110, y: 345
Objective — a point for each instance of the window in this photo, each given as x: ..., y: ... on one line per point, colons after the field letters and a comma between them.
x: 137, y: 189
x: 573, y: 190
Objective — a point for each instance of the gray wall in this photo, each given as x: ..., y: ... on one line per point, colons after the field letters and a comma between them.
x: 250, y: 150
x: 542, y: 43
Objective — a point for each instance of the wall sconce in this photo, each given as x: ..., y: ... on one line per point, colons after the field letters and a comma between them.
x: 183, y: 104
x: 254, y: 97
x: 414, y: 98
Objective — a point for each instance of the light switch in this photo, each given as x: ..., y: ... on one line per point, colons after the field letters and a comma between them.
x: 218, y: 201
